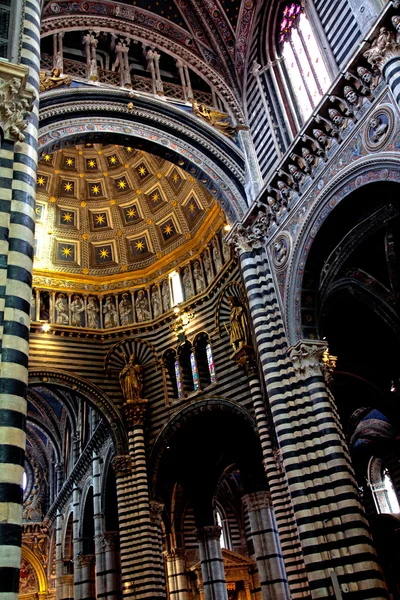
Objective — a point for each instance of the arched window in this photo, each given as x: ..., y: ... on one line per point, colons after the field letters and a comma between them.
x: 221, y: 523
x: 178, y: 379
x: 210, y: 362
x: 204, y: 360
x: 382, y: 488
x: 304, y: 63
x: 195, y: 373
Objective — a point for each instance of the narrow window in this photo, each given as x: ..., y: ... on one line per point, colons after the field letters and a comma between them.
x: 195, y: 373
x: 178, y: 379
x: 210, y: 362
x: 306, y: 69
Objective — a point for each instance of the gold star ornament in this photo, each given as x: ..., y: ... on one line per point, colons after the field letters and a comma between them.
x: 104, y: 253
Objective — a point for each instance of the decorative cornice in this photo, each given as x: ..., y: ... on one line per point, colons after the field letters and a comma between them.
x: 307, y: 358
x: 16, y: 100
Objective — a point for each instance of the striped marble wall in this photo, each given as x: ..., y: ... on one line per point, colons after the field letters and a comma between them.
x: 18, y: 163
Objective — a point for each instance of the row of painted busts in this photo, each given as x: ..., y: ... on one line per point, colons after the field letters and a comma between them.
x: 129, y: 307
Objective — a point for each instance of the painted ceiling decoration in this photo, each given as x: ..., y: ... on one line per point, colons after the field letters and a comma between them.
x: 106, y: 210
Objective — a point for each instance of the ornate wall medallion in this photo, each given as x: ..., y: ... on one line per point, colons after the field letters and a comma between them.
x: 379, y: 128
x: 281, y: 250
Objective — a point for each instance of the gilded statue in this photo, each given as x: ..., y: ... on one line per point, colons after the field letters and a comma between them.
x: 56, y: 79
x: 218, y: 120
x: 131, y: 380
x: 238, y: 331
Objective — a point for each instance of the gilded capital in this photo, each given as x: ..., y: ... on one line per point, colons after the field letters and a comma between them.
x: 15, y: 100
x: 307, y: 357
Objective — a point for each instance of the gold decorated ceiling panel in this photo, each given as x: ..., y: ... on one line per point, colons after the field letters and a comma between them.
x: 107, y: 210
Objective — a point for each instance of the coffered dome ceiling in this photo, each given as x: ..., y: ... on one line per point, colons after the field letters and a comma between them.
x: 108, y: 210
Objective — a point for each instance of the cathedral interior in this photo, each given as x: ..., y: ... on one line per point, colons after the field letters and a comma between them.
x: 199, y: 300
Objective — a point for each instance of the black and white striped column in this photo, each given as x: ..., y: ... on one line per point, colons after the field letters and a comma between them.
x: 212, y: 565
x: 294, y: 571
x: 267, y: 549
x: 122, y: 466
x: 391, y: 74
x: 59, y: 557
x: 178, y: 585
x: 329, y: 516
x: 111, y: 566
x: 98, y: 526
x: 148, y: 580
x: 77, y: 541
x: 18, y: 163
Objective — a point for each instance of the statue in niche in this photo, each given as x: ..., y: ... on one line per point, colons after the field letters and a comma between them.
x: 92, y: 311
x: 56, y: 79
x: 166, y: 297
x: 33, y: 306
x: 216, y: 255
x: 187, y: 283
x: 207, y: 267
x: 226, y: 250
x: 198, y: 277
x: 61, y: 306
x: 44, y: 306
x: 142, y: 307
x: 131, y: 380
x: 110, y: 313
x: 155, y: 301
x: 238, y: 331
x: 125, y: 310
x: 77, y: 308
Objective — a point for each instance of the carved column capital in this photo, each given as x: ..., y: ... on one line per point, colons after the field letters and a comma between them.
x: 385, y: 47
x: 257, y: 501
x: 245, y: 239
x: 15, y: 100
x: 135, y: 413
x: 210, y: 532
x: 156, y: 510
x: 85, y: 560
x: 122, y: 465
x: 109, y: 539
x: 307, y: 357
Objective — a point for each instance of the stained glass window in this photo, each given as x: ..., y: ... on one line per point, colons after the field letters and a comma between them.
x: 308, y: 74
x: 195, y: 373
x: 210, y: 361
x: 178, y: 379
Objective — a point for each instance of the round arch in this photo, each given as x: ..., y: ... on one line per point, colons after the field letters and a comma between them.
x: 93, y: 395
x: 30, y: 557
x: 223, y: 82
x: 77, y: 115
x: 386, y: 168
x: 186, y: 413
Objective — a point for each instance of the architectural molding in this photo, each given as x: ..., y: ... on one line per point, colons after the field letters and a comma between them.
x: 257, y: 501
